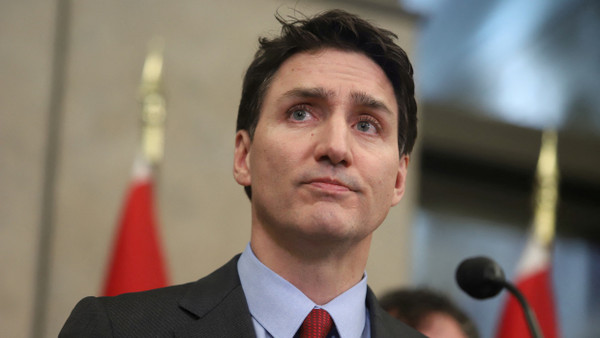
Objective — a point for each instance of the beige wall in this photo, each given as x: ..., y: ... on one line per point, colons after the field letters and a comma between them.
x: 26, y: 35
x: 204, y: 215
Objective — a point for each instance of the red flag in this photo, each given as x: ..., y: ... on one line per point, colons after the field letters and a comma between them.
x: 534, y: 270
x: 534, y: 281
x: 137, y: 262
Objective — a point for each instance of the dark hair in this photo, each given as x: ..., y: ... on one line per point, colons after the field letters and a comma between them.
x: 332, y: 29
x: 412, y: 306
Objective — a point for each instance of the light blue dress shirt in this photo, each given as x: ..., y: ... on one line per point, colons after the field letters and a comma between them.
x: 278, y: 308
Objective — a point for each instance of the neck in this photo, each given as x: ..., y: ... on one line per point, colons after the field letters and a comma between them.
x: 322, y: 270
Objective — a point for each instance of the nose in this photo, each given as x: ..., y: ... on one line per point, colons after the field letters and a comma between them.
x: 333, y: 142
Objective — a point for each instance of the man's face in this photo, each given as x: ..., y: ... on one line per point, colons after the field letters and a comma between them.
x: 324, y: 163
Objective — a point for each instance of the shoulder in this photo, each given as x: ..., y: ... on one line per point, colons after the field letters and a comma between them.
x: 127, y: 314
x: 155, y: 312
x: 151, y: 304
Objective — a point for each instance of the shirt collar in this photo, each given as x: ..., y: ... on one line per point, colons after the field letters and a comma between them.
x: 280, y: 308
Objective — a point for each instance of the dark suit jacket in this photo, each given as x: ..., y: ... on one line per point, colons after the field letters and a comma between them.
x: 214, y: 306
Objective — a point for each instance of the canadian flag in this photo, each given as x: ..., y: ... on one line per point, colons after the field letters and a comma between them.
x: 534, y: 281
x: 137, y: 262
x: 534, y: 277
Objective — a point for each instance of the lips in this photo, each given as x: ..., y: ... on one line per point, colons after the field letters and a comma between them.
x: 331, y: 184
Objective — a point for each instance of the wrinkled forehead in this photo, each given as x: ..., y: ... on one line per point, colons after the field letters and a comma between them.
x: 333, y: 74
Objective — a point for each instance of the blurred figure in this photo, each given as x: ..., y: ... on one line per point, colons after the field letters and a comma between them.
x: 430, y: 312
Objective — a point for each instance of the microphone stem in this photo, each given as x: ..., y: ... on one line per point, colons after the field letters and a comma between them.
x: 528, y: 312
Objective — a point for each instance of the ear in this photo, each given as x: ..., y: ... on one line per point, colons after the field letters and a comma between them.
x: 400, y: 179
x: 241, y: 158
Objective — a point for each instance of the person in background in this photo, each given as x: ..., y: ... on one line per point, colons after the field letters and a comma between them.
x: 430, y: 312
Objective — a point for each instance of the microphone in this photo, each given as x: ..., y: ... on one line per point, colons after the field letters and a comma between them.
x: 482, y: 278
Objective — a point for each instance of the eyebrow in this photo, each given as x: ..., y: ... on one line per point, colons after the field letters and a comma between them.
x: 313, y: 93
x: 366, y: 100
x: 358, y: 98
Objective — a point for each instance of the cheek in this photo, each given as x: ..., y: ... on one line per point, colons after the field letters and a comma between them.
x: 272, y: 162
x: 382, y: 178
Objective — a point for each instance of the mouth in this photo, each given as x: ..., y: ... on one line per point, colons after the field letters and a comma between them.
x: 330, y: 185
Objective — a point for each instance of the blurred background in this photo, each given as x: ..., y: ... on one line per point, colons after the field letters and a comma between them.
x: 491, y: 75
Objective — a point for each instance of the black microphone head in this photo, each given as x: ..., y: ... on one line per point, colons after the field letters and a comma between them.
x: 480, y: 277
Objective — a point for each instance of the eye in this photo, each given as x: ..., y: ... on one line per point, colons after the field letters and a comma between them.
x: 299, y: 113
x: 364, y: 126
x: 368, y: 124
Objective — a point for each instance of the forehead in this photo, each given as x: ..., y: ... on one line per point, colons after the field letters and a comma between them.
x: 339, y: 74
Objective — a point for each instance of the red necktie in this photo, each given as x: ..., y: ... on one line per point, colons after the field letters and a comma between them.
x: 317, y: 324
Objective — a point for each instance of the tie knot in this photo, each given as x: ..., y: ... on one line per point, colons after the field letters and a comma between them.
x: 317, y: 324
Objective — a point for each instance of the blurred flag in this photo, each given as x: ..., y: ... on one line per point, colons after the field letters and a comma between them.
x: 534, y: 281
x: 137, y: 262
x: 534, y: 277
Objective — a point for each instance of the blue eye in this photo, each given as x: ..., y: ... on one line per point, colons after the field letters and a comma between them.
x: 368, y: 124
x: 299, y: 115
x: 364, y: 126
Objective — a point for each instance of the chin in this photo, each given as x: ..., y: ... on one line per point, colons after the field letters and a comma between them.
x: 331, y: 227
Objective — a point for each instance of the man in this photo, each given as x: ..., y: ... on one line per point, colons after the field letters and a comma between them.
x: 430, y: 312
x: 326, y: 123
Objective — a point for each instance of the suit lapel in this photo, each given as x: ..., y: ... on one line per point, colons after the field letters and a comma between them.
x: 383, y: 325
x: 218, y: 305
